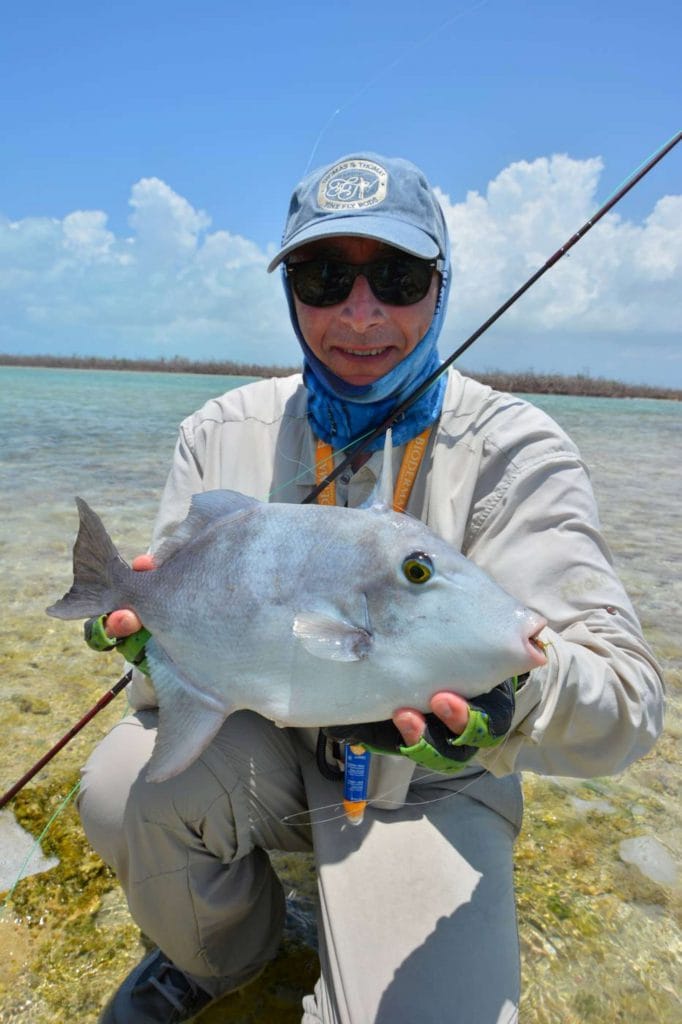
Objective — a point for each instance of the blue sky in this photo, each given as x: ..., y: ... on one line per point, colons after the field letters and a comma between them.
x: 149, y: 150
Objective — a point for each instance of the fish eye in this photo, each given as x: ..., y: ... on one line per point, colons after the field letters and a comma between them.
x: 417, y: 567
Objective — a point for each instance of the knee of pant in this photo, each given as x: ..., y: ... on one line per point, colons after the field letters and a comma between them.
x: 149, y: 827
x: 101, y: 804
x: 194, y: 814
x: 106, y: 779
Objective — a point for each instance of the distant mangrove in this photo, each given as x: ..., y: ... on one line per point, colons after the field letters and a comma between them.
x: 525, y: 382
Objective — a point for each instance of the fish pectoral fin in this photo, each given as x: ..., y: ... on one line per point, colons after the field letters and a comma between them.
x: 332, y: 639
x: 188, y: 717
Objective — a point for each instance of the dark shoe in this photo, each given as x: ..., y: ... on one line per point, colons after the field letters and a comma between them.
x: 155, y: 992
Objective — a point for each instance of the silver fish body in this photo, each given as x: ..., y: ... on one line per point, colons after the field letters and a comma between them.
x: 309, y: 615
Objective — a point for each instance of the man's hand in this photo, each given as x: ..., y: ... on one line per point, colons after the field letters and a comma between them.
x: 446, y: 738
x: 123, y: 621
x: 452, y: 710
x: 121, y: 629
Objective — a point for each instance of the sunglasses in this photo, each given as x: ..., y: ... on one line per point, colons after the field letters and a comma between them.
x: 395, y: 280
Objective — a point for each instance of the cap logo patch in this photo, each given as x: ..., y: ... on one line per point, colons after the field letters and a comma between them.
x: 353, y: 185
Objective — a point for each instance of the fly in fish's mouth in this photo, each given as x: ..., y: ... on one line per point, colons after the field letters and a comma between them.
x: 537, y: 647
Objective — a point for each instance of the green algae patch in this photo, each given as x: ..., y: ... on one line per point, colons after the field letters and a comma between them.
x: 67, y: 959
x: 600, y: 942
x: 63, y: 961
x: 72, y: 940
x: 30, y: 705
x: 50, y: 681
x: 80, y: 875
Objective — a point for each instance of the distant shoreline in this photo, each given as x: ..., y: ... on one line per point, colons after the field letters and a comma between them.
x: 525, y: 382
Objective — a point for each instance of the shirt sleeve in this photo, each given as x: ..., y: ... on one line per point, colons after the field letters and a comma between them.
x: 184, y: 479
x: 597, y: 704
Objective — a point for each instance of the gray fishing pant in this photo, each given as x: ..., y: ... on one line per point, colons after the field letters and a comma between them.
x: 416, y: 910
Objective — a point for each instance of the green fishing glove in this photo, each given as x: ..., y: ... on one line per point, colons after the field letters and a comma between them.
x: 131, y: 647
x: 490, y: 718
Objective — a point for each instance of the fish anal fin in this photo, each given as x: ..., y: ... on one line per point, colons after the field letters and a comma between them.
x: 188, y: 717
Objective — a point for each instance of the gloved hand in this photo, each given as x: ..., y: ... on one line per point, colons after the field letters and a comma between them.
x: 439, y: 749
x: 121, y: 630
x: 132, y: 647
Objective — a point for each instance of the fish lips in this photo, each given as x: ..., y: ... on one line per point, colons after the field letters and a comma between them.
x: 534, y: 646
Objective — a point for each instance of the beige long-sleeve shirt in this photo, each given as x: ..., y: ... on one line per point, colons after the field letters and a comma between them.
x: 503, y: 484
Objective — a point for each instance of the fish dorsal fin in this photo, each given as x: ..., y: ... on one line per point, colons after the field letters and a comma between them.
x: 206, y: 508
x: 381, y: 498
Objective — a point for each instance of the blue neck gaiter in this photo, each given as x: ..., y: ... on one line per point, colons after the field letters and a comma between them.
x: 341, y: 413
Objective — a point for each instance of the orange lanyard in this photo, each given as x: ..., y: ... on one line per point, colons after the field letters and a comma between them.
x: 412, y: 460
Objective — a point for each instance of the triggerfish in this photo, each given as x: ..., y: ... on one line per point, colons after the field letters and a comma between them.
x: 309, y: 615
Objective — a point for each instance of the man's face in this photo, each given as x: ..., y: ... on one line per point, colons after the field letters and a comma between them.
x: 361, y: 338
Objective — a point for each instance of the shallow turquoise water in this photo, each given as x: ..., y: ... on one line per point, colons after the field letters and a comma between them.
x: 107, y: 436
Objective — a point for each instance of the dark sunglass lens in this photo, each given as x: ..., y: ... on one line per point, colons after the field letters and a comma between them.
x: 400, y: 281
x: 321, y: 282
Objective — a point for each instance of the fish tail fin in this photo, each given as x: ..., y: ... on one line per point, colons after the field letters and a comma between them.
x: 97, y: 568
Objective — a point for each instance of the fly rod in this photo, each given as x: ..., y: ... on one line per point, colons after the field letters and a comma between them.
x: 105, y: 699
x: 360, y: 446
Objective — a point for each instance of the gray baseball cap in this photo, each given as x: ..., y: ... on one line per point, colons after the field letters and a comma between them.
x: 367, y: 196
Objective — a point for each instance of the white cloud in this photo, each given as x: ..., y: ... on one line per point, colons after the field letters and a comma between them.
x: 173, y: 286
x: 86, y: 236
x: 167, y: 228
x: 621, y: 276
x: 602, y: 308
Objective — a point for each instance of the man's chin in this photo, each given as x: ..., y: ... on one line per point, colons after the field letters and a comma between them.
x: 361, y: 370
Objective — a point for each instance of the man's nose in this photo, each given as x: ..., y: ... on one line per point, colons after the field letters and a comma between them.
x: 361, y: 310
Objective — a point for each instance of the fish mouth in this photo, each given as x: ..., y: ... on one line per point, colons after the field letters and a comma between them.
x: 536, y: 647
